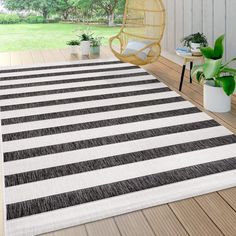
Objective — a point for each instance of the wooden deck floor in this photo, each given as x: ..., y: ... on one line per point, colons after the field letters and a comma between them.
x: 210, y: 215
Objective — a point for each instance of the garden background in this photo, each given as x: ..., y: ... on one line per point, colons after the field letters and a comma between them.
x: 44, y: 24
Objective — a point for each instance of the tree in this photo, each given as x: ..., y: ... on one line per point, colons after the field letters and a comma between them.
x: 86, y: 8
x: 109, y: 7
x: 44, y: 7
x: 65, y: 8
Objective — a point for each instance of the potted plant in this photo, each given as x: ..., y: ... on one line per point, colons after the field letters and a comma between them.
x: 85, y: 39
x: 195, y: 42
x: 218, y: 78
x: 74, y: 46
x: 96, y: 43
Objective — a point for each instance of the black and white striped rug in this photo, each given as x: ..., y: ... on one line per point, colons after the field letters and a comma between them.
x: 90, y: 140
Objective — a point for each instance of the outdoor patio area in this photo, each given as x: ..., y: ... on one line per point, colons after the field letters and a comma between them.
x: 210, y: 215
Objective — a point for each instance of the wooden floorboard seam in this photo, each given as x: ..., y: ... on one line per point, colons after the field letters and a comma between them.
x: 209, y: 216
x: 116, y: 226
x: 178, y: 219
x: 149, y: 223
x: 226, y: 202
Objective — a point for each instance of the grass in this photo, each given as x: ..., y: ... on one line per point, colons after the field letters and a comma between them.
x: 23, y: 37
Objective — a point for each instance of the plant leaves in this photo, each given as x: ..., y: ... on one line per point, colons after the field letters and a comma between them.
x: 228, y: 84
x: 219, y: 47
x: 199, y: 76
x: 228, y: 70
x: 207, y: 52
x: 227, y: 63
x: 196, y: 69
x: 212, y: 68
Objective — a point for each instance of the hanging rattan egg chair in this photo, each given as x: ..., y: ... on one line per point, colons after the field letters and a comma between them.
x: 141, y: 33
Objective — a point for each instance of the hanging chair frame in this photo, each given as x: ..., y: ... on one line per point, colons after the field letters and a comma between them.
x: 155, y: 44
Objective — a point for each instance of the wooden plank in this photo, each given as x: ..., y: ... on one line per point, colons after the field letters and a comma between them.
x: 220, y: 212
x: 37, y: 57
x: 179, y: 22
x: 197, y: 16
x: 230, y: 196
x: 105, y: 227
x: 106, y: 53
x: 188, y: 12
x: 194, y: 219
x: 74, y: 231
x: 67, y: 56
x: 5, y: 59
x: 54, y: 55
x: 164, y: 222
x: 208, y: 20
x: 133, y: 224
x: 16, y: 59
x: 27, y: 58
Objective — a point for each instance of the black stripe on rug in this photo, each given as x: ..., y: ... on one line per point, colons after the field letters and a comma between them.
x: 78, y: 72
x: 82, y: 99
x: 59, y: 66
x: 77, y: 89
x: 84, y: 144
x: 97, y: 124
x: 91, y: 110
x: 67, y: 81
x: 63, y: 200
x: 97, y: 164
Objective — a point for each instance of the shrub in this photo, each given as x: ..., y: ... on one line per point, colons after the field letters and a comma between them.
x: 73, y: 43
x: 9, y: 19
x: 34, y: 19
x: 118, y: 21
x: 54, y: 20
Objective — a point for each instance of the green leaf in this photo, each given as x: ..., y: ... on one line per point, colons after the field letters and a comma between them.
x: 219, y: 47
x: 227, y: 63
x: 196, y: 69
x: 212, y: 68
x: 228, y: 84
x: 207, y: 52
x: 228, y: 70
x: 199, y: 76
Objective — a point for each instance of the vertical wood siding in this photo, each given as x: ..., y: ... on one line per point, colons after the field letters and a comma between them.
x: 212, y: 17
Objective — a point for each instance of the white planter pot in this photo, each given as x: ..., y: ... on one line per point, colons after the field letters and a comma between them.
x: 74, y: 49
x: 195, y: 49
x: 85, y: 48
x: 215, y: 99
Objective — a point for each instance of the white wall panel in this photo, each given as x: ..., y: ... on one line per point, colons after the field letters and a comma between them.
x: 231, y: 29
x: 213, y: 17
x: 179, y: 21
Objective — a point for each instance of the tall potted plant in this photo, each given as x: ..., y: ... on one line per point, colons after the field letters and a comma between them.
x: 218, y: 78
x: 195, y: 42
x: 85, y: 40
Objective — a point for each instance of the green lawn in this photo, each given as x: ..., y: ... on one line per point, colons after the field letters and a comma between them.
x: 22, y: 37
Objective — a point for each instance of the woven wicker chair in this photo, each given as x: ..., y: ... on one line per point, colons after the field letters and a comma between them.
x: 144, y: 21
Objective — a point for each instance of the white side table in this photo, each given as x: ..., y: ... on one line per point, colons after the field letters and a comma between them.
x: 191, y: 60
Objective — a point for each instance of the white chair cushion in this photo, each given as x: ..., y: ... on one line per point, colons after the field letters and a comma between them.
x: 134, y: 46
